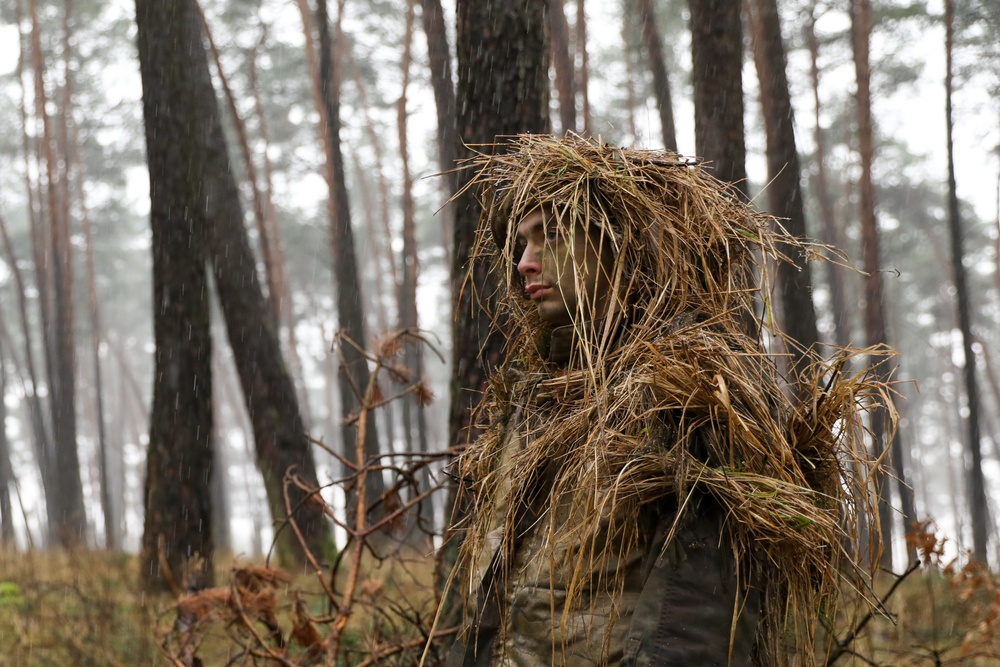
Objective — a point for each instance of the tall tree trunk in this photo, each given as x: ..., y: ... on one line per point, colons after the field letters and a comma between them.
x: 658, y: 65
x: 178, y: 502
x: 563, y: 62
x: 841, y: 335
x: 581, y: 50
x: 432, y: 18
x: 353, y: 373
x: 629, y: 47
x: 503, y: 87
x: 875, y: 328
x: 784, y: 192
x: 978, y: 510
x: 414, y: 415
x: 69, y: 511
x: 717, y: 66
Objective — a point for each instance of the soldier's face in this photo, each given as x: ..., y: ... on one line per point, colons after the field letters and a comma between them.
x: 566, y: 272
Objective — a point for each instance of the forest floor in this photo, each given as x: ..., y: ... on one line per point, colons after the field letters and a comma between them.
x: 85, y: 608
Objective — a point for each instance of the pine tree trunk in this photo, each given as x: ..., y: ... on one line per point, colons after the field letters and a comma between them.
x: 658, y: 65
x: 875, y: 328
x: 178, y: 500
x: 68, y: 509
x: 353, y: 375
x: 432, y: 18
x: 784, y: 191
x: 841, y: 334
x: 414, y: 415
x: 563, y: 62
x: 584, y: 73
x: 978, y: 510
x: 717, y: 66
x: 503, y: 88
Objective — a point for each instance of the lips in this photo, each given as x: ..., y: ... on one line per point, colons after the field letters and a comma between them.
x: 536, y: 291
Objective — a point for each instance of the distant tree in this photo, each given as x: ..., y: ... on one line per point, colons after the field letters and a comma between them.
x: 179, y: 458
x: 784, y: 191
x: 68, y: 510
x: 6, y: 472
x: 841, y: 334
x: 563, y: 63
x: 874, y: 313
x: 583, y: 53
x: 978, y: 507
x: 658, y: 65
x: 717, y: 66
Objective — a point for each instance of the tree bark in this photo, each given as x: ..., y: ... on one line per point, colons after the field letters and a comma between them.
x: 179, y: 458
x: 503, y: 87
x: 784, y: 191
x: 563, y: 62
x: 353, y: 375
x: 717, y: 66
x: 658, y: 65
x: 978, y: 510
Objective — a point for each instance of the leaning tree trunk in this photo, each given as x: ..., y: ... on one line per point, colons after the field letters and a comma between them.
x: 784, y: 192
x: 177, y: 492
x: 977, y: 485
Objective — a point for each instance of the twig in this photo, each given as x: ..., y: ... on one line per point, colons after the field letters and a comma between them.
x: 843, y: 645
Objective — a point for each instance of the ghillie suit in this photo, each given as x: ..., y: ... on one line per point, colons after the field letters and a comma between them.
x: 669, y: 400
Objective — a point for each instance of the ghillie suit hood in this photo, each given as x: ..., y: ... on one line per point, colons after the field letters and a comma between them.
x: 671, y: 394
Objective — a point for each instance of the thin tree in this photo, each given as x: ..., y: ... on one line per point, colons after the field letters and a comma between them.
x: 978, y: 510
x: 353, y: 374
x: 69, y: 510
x: 658, y: 65
x: 414, y: 415
x: 716, y: 71
x: 784, y: 191
x: 583, y: 83
x: 439, y: 59
x: 841, y: 334
x: 874, y: 312
x: 563, y: 63
x: 179, y: 457
x: 6, y: 471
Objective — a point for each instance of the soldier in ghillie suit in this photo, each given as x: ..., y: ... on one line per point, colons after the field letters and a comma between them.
x: 649, y: 490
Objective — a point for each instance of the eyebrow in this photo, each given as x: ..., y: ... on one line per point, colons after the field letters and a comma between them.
x: 522, y: 235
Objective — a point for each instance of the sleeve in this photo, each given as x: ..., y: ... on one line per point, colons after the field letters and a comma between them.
x: 684, y: 614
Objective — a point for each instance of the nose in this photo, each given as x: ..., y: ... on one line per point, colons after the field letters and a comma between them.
x: 529, y: 263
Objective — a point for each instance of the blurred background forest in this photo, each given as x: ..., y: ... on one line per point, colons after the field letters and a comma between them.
x: 185, y: 292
